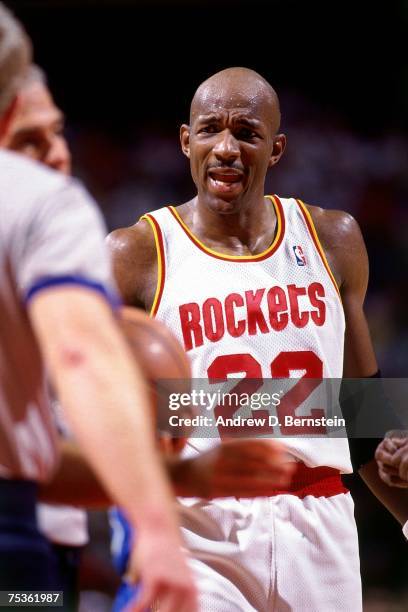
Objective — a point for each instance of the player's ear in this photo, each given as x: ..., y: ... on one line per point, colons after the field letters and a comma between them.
x: 279, y: 144
x: 185, y: 139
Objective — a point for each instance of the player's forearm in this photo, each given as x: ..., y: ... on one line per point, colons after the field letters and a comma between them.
x: 105, y: 399
x: 395, y: 500
x: 75, y: 482
x: 109, y: 410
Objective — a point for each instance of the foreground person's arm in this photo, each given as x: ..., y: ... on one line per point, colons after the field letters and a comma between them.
x: 106, y: 403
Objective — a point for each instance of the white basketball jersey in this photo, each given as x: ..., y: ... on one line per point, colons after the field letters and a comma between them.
x: 275, y: 314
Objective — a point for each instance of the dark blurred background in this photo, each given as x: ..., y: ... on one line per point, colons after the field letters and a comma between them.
x: 124, y: 73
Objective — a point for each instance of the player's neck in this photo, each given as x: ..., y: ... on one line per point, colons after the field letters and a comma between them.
x: 249, y: 231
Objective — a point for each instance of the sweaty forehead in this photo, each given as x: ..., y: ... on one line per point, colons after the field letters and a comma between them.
x: 252, y: 98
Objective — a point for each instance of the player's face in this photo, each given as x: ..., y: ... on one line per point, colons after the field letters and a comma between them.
x: 37, y: 129
x: 231, y: 145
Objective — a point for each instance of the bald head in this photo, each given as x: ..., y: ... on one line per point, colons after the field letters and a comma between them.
x: 235, y: 87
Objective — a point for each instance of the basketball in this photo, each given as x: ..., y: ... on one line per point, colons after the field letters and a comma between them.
x: 163, y: 362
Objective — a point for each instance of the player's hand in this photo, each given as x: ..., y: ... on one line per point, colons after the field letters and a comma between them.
x: 240, y: 468
x: 401, y: 459
x: 392, y: 459
x: 158, y: 562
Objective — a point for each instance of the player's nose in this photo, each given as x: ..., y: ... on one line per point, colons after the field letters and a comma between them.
x: 226, y: 147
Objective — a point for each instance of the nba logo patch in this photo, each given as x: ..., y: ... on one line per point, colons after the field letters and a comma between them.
x: 299, y: 255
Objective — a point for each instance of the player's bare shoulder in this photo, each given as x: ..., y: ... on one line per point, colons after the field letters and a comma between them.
x: 343, y: 244
x: 134, y: 258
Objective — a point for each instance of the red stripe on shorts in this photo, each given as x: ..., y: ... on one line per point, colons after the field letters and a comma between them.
x: 318, y: 481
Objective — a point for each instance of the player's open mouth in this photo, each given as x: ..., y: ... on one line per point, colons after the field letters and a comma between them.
x: 225, y: 181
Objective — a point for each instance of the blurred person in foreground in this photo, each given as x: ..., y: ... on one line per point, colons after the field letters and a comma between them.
x: 56, y: 297
x: 37, y: 131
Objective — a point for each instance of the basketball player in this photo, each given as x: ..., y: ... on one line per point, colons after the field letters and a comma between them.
x: 55, y: 312
x: 37, y: 131
x: 258, y: 285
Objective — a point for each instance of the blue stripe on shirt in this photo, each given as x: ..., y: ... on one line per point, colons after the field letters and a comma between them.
x: 55, y: 281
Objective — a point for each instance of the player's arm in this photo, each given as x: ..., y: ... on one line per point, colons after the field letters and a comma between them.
x: 102, y: 391
x: 105, y: 399
x: 74, y: 482
x: 134, y: 258
x: 239, y: 467
x: 345, y: 249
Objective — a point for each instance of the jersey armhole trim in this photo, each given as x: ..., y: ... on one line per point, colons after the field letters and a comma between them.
x: 312, y: 230
x: 48, y: 282
x: 161, y: 265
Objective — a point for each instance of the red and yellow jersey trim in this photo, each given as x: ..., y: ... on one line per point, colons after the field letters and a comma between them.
x: 161, y: 262
x: 239, y: 258
x: 312, y: 231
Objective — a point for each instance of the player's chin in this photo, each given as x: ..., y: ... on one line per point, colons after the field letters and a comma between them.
x: 225, y: 205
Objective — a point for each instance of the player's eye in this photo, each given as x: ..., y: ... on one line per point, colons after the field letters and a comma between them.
x: 29, y: 145
x: 245, y: 134
x: 208, y: 129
